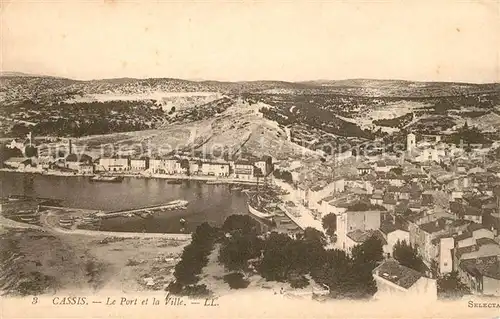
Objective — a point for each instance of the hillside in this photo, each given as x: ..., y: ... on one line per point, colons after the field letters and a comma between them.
x: 310, y: 114
x: 15, y: 87
x: 401, y: 88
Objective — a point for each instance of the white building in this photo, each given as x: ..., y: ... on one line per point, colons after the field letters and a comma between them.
x: 392, y: 234
x: 140, y: 164
x: 114, y: 164
x: 265, y: 165
x: 244, y: 170
x: 446, y: 246
x: 164, y: 166
x: 214, y: 169
x: 351, y: 220
x: 395, y: 281
x: 411, y: 142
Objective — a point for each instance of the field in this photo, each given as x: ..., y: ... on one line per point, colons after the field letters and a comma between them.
x: 36, y: 262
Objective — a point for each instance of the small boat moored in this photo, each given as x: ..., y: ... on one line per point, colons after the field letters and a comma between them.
x: 109, y: 179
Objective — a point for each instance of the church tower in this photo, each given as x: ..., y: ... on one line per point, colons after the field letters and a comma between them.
x: 410, y: 142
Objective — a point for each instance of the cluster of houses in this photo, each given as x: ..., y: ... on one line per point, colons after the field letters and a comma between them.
x: 450, y: 212
x: 240, y: 169
x: 84, y: 165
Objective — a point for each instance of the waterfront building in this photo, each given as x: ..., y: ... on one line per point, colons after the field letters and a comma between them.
x: 244, y: 170
x: 139, y: 164
x: 214, y: 169
x: 45, y: 162
x: 79, y: 163
x: 86, y: 169
x: 114, y: 164
x: 265, y: 165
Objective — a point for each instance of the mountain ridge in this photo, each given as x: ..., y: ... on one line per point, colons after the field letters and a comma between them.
x: 337, y: 82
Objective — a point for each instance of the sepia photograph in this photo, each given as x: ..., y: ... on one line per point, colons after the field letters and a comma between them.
x: 244, y: 159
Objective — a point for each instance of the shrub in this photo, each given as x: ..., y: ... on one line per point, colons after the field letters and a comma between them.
x: 196, y: 291
x: 235, y: 280
x: 298, y: 281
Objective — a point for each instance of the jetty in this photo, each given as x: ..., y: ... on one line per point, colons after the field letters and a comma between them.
x: 176, y: 204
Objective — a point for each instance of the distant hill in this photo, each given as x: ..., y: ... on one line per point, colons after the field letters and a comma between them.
x: 401, y: 88
x: 21, y: 74
x: 15, y: 87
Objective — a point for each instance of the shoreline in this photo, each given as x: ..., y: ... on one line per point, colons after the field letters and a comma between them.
x: 216, y: 180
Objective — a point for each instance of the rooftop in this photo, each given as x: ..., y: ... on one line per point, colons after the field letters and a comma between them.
x: 463, y: 236
x: 359, y: 236
x: 389, y: 227
x: 472, y: 211
x: 485, y: 266
x: 400, y: 275
x: 473, y: 227
x: 486, y: 241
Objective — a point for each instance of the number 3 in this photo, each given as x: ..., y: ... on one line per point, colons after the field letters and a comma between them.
x: 34, y: 301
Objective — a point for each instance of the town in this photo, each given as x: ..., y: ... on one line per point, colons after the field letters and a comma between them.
x: 74, y: 163
x: 438, y: 201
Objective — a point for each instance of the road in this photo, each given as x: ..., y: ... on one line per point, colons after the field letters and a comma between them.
x: 304, y: 218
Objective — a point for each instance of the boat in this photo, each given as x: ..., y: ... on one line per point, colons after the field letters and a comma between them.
x: 257, y: 207
x: 214, y: 182
x: 109, y: 179
x: 237, y: 189
x: 258, y: 213
x: 174, y: 181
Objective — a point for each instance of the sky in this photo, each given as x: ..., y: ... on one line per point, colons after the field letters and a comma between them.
x: 420, y: 40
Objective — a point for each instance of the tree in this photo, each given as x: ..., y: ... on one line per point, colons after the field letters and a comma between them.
x: 450, y: 286
x: 235, y: 251
x: 30, y: 151
x: 194, y: 257
x: 313, y: 236
x: 368, y: 253
x: 236, y: 280
x: 408, y: 256
x: 330, y: 224
x: 282, y: 257
x: 237, y: 222
x: 345, y: 276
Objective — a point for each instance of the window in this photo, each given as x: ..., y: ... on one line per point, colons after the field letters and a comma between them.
x: 445, y: 264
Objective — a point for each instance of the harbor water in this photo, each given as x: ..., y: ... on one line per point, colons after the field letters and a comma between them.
x: 207, y: 203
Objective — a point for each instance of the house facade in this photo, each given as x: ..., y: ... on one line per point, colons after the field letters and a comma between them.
x: 395, y: 281
x: 114, y: 164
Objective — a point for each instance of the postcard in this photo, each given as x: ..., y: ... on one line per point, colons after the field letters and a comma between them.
x: 250, y: 159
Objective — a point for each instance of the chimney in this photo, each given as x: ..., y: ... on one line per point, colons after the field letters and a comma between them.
x: 70, y: 147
